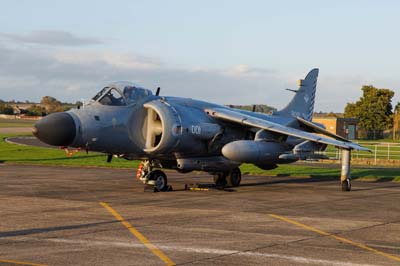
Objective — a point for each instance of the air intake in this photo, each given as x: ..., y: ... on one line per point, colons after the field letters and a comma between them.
x: 153, y: 128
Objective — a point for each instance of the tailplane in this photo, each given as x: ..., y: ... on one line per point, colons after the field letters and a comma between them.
x: 302, y: 104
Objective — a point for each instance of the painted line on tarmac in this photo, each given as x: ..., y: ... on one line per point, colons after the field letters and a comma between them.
x: 156, y: 251
x: 200, y: 250
x: 16, y: 262
x: 345, y: 240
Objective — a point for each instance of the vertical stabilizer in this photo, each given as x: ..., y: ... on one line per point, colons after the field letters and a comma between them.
x: 302, y: 104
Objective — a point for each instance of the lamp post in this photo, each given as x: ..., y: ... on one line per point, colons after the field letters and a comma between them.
x: 395, y: 123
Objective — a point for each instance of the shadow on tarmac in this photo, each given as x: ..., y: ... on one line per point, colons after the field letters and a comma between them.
x: 52, y: 229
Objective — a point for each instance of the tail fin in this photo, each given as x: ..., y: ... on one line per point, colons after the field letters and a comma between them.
x: 302, y: 103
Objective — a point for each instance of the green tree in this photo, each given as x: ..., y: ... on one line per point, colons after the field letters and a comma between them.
x: 36, y: 110
x: 261, y: 108
x: 6, y: 109
x: 51, y: 104
x: 332, y: 114
x: 351, y: 110
x: 374, y: 110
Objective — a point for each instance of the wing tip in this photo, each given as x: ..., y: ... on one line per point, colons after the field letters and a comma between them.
x: 357, y: 147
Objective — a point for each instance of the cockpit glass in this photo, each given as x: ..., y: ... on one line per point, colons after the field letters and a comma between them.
x: 100, y: 93
x: 112, y: 97
x: 131, y: 93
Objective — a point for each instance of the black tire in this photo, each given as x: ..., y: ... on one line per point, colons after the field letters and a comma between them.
x: 160, y: 180
x: 346, y: 185
x: 220, y: 179
x: 234, y: 177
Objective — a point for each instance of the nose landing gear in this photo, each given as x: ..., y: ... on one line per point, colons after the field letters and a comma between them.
x: 155, y: 180
x: 158, y: 179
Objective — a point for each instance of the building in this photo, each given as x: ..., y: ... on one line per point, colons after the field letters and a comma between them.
x: 345, y: 127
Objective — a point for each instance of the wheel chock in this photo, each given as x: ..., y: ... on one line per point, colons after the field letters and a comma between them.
x: 197, y: 187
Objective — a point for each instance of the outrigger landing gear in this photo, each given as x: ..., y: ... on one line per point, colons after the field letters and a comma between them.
x: 152, y: 179
x: 345, y: 178
x: 231, y: 178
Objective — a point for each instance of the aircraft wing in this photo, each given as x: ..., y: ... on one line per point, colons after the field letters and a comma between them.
x: 247, y: 120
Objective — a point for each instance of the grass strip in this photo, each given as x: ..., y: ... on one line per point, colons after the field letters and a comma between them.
x: 19, y: 154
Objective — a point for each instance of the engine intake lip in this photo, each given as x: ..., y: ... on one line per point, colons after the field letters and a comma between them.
x: 155, y: 127
x: 159, y: 138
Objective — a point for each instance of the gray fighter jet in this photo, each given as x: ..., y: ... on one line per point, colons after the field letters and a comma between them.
x: 128, y: 121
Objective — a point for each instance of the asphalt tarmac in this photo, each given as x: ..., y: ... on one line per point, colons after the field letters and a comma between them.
x: 29, y: 141
x: 95, y: 216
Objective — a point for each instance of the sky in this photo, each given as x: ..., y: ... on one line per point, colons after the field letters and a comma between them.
x: 227, y: 52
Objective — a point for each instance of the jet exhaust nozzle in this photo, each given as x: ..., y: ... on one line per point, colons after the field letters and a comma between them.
x: 56, y: 129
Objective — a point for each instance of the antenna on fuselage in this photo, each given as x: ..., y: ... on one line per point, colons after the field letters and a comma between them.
x: 158, y: 91
x: 295, y: 91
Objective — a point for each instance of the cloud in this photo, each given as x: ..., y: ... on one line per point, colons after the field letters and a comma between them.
x: 52, y: 38
x: 70, y: 74
x: 118, y: 60
x: 334, y: 91
x: 243, y: 70
x: 73, y: 74
x: 73, y: 87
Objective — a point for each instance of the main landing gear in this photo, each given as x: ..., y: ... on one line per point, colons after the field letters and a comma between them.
x: 153, y: 179
x: 231, y: 178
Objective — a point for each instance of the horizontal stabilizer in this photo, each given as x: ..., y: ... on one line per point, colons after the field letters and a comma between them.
x: 317, y: 129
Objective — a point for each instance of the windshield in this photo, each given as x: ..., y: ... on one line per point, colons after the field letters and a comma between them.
x: 121, y: 93
x: 100, y: 93
x: 112, y: 97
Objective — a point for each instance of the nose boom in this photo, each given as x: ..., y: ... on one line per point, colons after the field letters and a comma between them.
x: 56, y: 129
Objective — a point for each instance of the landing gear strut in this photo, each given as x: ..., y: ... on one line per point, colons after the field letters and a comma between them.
x: 220, y: 179
x: 345, y: 178
x: 155, y: 179
x: 231, y: 178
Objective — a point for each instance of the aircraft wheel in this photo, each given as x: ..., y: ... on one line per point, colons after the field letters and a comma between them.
x: 234, y: 177
x: 346, y: 185
x: 160, y: 180
x: 220, y: 179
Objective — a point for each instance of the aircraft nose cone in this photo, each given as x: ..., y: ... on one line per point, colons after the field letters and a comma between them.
x: 56, y: 129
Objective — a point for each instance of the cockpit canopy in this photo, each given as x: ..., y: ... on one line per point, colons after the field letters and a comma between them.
x: 121, y: 93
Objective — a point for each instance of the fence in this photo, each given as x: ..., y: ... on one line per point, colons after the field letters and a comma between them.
x: 380, y: 152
